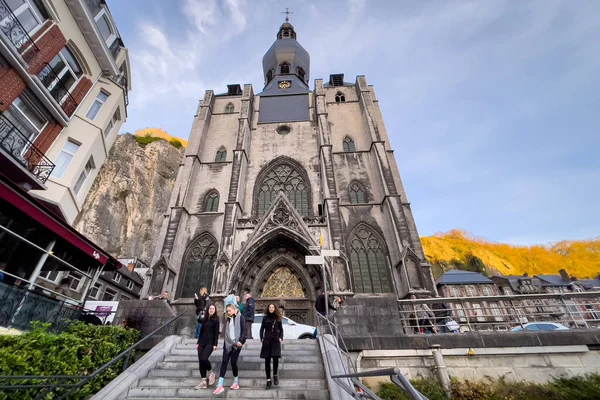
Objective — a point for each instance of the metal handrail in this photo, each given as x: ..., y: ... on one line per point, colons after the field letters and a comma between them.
x: 86, y: 378
x: 395, y: 374
x: 15, y: 32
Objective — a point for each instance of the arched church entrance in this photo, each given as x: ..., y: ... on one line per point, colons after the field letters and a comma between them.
x: 274, y: 272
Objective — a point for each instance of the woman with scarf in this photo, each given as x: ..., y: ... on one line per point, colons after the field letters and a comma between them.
x: 271, y: 336
x: 235, y: 337
x: 207, y: 343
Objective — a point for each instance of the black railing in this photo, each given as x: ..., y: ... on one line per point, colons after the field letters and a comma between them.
x: 121, y: 80
x: 57, y: 89
x: 15, y: 32
x: 59, y: 380
x: 20, y: 148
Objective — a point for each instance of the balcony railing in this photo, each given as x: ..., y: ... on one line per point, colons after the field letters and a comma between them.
x: 500, y: 313
x: 57, y: 89
x: 15, y: 32
x: 20, y: 148
x: 121, y: 80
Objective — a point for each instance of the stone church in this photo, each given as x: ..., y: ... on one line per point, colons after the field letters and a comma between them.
x: 266, y: 175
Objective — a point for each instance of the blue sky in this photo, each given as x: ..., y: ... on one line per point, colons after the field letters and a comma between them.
x: 492, y: 107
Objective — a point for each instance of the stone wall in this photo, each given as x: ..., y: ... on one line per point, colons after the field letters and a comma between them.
x: 155, y: 312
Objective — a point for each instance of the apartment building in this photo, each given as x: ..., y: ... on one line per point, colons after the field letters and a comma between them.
x: 64, y: 83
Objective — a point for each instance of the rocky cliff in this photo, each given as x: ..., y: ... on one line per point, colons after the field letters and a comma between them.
x: 123, y: 210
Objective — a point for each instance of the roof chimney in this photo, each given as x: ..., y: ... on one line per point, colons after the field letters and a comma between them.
x: 564, y: 275
x: 131, y: 267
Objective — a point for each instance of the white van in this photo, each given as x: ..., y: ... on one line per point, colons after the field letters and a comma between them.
x: 291, y: 329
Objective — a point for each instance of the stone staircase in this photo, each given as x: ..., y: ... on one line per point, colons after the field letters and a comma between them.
x: 301, y: 374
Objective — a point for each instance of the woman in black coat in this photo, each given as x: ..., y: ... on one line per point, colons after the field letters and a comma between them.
x: 271, y: 336
x: 207, y: 343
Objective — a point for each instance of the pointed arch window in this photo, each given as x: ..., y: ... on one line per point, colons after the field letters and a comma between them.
x: 301, y: 73
x: 349, y: 145
x: 370, y: 271
x: 357, y: 193
x: 284, y: 68
x: 211, y: 204
x: 340, y: 97
x: 199, y: 265
x: 283, y: 177
x: 221, y: 155
x: 229, y: 109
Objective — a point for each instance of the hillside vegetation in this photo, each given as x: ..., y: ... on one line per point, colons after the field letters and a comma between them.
x: 459, y: 249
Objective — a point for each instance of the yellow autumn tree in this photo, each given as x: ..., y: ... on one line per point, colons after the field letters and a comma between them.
x: 458, y: 249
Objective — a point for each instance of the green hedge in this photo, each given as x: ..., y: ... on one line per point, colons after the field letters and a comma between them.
x: 575, y: 388
x: 145, y: 140
x: 80, y: 350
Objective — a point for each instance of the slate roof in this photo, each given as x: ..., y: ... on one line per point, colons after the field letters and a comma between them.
x: 553, y: 280
x: 458, y: 277
x: 589, y: 284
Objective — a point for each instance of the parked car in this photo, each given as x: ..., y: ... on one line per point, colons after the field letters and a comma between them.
x: 291, y: 329
x: 540, y: 326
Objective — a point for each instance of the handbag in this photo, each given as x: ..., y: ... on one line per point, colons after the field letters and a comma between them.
x: 200, y: 317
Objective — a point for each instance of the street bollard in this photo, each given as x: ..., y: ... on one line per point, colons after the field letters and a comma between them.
x: 442, y: 371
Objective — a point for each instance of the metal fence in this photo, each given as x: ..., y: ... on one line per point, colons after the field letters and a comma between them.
x: 501, y: 313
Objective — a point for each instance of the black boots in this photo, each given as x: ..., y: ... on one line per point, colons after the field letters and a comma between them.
x: 275, y: 380
x: 268, y: 384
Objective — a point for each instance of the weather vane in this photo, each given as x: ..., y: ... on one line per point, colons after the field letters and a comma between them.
x: 287, y: 13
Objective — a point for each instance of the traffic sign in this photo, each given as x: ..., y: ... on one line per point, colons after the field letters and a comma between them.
x: 314, y: 248
x: 331, y: 253
x: 313, y: 260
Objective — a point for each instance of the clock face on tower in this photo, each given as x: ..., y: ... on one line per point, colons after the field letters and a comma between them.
x: 285, y: 84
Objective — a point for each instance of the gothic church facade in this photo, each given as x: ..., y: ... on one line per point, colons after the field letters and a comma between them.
x: 266, y: 175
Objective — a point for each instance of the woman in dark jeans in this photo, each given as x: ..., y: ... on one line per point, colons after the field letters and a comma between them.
x: 271, y: 336
x: 202, y: 304
x: 207, y: 343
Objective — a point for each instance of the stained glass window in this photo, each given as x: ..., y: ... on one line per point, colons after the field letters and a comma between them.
x: 199, y: 266
x: 357, y: 193
x: 369, y: 266
x: 349, y: 144
x: 283, y: 178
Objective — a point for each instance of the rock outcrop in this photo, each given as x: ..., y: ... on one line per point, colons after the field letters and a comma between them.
x: 123, y: 210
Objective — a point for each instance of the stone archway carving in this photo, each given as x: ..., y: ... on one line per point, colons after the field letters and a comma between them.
x: 283, y: 283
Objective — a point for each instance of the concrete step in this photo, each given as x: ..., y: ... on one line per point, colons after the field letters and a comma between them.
x: 286, y: 345
x: 306, y: 342
x: 243, y: 366
x: 254, y: 383
x: 243, y: 358
x: 257, y: 374
x: 253, y: 352
x: 183, y: 393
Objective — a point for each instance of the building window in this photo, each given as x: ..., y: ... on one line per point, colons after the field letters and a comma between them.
x: 116, y: 277
x: 270, y: 75
x: 105, y: 27
x: 283, y: 130
x: 113, y: 122
x: 357, y: 193
x: 369, y: 267
x: 130, y: 284
x: 471, y: 291
x: 100, y: 100
x: 28, y: 122
x: 284, y: 68
x: 109, y: 294
x: 89, y: 166
x: 64, y: 158
x: 340, y: 97
x: 301, y: 73
x: 200, y: 261
x: 76, y: 279
x: 212, y: 202
x: 29, y: 15
x: 51, y: 276
x: 507, y: 291
x: 65, y: 75
x: 221, y: 155
x: 229, y: 109
x: 349, y: 145
x: 454, y: 292
x: 487, y: 291
x: 95, y: 290
x: 284, y: 178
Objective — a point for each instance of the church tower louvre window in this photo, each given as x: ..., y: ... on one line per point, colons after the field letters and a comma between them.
x: 368, y: 258
x: 283, y: 177
x: 221, y: 155
x: 284, y: 68
x: 301, y: 73
x: 199, y: 263
x: 340, y: 97
x: 349, y: 145
x: 229, y: 109
x: 357, y: 193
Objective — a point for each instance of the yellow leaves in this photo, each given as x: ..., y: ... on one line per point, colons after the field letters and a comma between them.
x: 579, y: 258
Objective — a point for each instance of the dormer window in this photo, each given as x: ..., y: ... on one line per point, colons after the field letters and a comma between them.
x: 301, y: 73
x: 107, y: 31
x: 270, y: 75
x: 284, y: 68
x: 336, y: 80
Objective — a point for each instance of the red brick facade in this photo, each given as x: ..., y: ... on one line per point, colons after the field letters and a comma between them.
x: 47, y: 137
x: 49, y: 44
x: 11, y: 85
